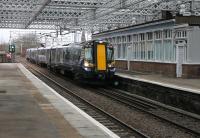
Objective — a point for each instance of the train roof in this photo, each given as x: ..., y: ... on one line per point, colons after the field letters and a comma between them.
x: 73, y: 45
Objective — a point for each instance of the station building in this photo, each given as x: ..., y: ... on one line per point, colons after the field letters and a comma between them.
x: 161, y: 47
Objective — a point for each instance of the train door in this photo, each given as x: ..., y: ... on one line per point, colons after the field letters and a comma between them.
x: 101, y: 57
x: 180, y: 56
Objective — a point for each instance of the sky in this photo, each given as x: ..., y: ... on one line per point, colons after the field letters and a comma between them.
x: 6, y: 34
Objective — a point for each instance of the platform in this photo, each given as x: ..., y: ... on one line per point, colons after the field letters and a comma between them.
x: 31, y: 109
x: 189, y: 85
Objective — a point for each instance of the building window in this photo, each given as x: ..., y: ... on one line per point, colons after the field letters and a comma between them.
x: 118, y: 39
x: 150, y: 50
x: 142, y: 54
x: 184, y: 34
x: 168, y: 47
x: 158, y: 35
x: 124, y: 51
x: 135, y: 38
x: 119, y: 51
x: 129, y: 37
x: 168, y: 33
x: 142, y: 37
x: 181, y: 34
x: 123, y: 38
x: 157, y: 49
x: 110, y: 40
x: 149, y: 36
x: 114, y: 40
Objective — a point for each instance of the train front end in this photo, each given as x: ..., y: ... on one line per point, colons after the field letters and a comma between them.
x: 98, y: 63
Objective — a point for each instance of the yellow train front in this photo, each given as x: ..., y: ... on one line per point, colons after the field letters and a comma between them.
x: 97, y: 62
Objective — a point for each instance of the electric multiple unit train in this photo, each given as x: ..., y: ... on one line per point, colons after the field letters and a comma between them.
x: 91, y: 61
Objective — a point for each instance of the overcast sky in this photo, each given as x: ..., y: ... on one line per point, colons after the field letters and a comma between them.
x: 4, y: 35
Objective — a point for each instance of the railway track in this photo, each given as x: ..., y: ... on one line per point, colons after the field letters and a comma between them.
x: 148, y: 107
x: 155, y: 109
x: 120, y: 128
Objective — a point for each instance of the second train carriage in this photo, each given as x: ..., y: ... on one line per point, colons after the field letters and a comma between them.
x: 92, y: 60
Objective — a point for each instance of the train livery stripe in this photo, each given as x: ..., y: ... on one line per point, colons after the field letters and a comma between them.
x: 101, y: 57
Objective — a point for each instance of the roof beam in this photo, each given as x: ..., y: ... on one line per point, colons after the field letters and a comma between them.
x: 46, y: 2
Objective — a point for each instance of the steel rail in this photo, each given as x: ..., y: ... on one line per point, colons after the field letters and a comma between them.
x: 124, y: 125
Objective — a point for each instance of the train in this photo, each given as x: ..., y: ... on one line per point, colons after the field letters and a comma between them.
x: 91, y: 61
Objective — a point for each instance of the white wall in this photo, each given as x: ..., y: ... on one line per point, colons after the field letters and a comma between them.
x: 194, y: 46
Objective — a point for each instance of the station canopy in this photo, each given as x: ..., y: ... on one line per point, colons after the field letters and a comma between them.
x: 93, y: 15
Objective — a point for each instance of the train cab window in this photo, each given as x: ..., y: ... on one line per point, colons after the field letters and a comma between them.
x: 110, y: 53
x: 88, y: 54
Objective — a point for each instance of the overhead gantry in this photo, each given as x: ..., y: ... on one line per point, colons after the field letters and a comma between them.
x: 93, y: 15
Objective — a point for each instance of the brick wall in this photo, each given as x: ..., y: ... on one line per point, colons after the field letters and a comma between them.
x: 167, y: 69
x: 191, y: 71
x: 120, y: 64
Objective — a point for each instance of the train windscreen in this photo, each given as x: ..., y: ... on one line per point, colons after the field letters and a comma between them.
x: 88, y: 54
x: 110, y: 54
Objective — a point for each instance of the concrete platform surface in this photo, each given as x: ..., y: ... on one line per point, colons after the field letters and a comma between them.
x: 31, y: 109
x: 190, y: 85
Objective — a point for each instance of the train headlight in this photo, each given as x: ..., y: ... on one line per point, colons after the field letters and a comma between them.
x: 87, y: 69
x: 86, y: 64
x: 111, y: 65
